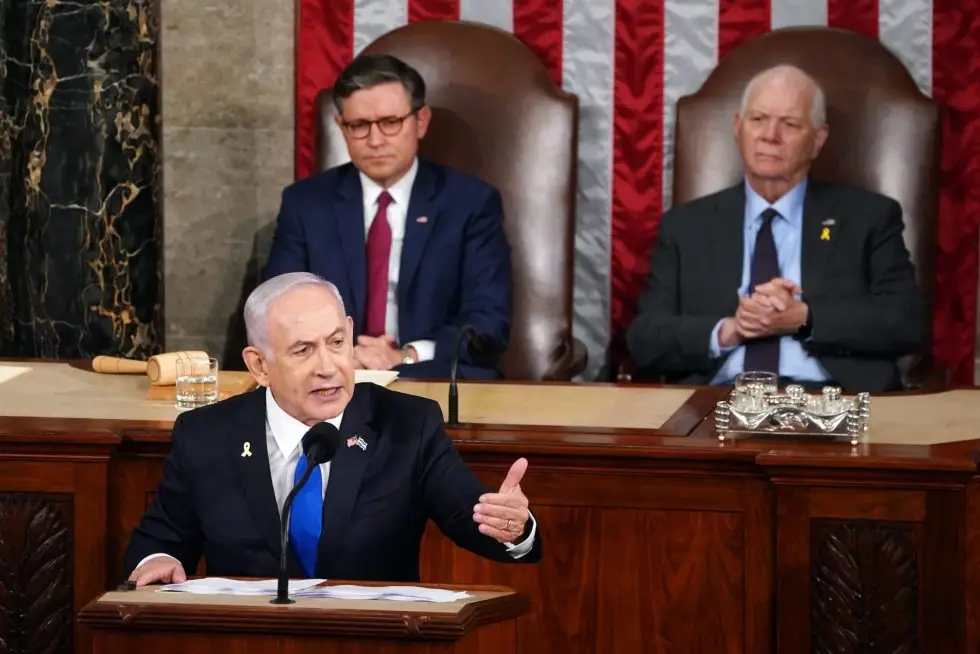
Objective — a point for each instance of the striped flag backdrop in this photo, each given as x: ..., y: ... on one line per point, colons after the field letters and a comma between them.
x: 629, y: 61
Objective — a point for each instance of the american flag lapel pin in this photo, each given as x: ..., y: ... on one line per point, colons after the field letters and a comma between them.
x: 358, y: 441
x: 422, y: 220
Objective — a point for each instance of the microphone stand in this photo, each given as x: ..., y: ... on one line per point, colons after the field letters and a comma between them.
x: 282, y: 591
x: 453, y: 418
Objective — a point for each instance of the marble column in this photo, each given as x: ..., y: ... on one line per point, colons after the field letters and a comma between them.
x: 227, y: 97
x: 79, y: 170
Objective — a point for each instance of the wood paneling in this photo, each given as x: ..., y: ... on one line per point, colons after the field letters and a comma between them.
x: 864, y: 587
x: 618, y: 544
x: 53, y: 543
x: 491, y: 640
x: 942, y: 610
x: 37, y: 612
x: 882, y: 569
x: 652, y: 542
x: 562, y: 587
x: 132, y: 487
x: 671, y: 581
x: 971, y: 565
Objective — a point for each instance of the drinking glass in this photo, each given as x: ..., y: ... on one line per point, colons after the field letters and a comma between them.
x: 769, y: 381
x: 197, y: 382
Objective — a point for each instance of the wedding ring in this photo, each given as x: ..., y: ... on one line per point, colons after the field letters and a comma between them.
x: 510, y: 524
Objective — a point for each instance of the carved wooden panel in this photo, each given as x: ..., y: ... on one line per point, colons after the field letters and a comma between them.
x: 36, y: 591
x: 864, y: 587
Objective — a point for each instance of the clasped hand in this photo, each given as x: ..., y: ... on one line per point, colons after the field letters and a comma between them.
x: 503, y: 515
x: 772, y: 309
x: 376, y: 353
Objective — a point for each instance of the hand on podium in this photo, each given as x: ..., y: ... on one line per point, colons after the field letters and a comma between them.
x: 159, y: 569
x: 503, y: 515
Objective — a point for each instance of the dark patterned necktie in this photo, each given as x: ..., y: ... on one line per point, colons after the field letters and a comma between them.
x: 763, y: 353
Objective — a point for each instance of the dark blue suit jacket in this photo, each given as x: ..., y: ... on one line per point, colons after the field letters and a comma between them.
x: 455, y: 265
x: 215, y: 502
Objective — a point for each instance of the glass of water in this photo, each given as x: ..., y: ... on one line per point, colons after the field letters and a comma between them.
x: 197, y: 382
x: 752, y: 387
x: 769, y: 381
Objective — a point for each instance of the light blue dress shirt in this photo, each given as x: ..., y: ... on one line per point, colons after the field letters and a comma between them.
x: 787, y: 229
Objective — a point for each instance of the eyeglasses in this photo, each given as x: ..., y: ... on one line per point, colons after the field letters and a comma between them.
x: 389, y: 125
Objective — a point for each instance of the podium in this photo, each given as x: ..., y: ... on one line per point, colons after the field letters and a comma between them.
x: 150, y: 621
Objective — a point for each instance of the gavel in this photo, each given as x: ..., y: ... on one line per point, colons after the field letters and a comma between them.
x: 161, y: 369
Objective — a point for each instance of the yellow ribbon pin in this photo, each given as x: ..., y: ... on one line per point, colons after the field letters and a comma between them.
x: 248, y: 450
x: 825, y: 234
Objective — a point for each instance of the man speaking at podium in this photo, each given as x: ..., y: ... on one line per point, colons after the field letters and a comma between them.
x: 360, y: 516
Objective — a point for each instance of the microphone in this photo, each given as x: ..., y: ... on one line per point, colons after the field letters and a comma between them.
x: 320, y: 444
x: 482, y: 350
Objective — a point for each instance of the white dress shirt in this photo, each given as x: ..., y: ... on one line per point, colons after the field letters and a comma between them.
x: 284, y: 437
x: 401, y: 193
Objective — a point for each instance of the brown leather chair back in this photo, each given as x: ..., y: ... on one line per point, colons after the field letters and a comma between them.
x: 497, y: 115
x: 884, y: 133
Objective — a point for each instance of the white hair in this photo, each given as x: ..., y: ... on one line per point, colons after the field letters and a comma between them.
x: 818, y: 107
x: 265, y: 294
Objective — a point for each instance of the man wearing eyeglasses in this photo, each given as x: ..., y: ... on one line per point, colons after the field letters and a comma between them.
x: 416, y: 248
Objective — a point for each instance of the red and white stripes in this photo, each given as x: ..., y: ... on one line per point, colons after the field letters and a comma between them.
x: 629, y: 61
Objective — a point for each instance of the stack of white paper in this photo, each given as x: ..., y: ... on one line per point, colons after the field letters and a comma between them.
x: 222, y: 586
x: 399, y: 593
x: 306, y: 588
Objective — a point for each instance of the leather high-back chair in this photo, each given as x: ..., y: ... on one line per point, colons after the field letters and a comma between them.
x: 884, y: 133
x: 497, y: 115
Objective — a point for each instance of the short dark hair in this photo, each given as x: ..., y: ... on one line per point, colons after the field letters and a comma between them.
x: 370, y: 70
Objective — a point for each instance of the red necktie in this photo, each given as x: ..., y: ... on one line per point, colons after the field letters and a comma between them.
x: 378, y: 249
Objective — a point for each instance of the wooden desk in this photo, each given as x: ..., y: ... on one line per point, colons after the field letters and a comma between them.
x: 658, y: 537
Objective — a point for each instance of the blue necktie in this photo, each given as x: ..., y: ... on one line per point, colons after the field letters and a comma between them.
x: 306, y: 518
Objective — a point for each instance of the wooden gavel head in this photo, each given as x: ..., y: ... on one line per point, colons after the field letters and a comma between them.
x: 162, y: 368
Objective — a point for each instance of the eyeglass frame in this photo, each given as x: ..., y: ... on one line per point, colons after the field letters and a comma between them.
x: 346, y: 125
